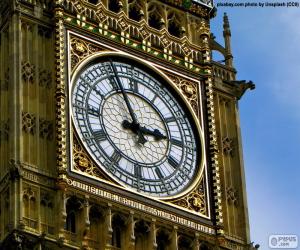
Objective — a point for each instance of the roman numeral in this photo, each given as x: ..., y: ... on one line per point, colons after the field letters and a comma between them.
x: 137, y: 171
x: 153, y: 99
x: 98, y: 92
x: 99, y: 135
x: 116, y: 156
x: 177, y: 142
x: 93, y: 111
x: 113, y: 82
x: 159, y: 173
x: 170, y: 119
x: 173, y: 162
x: 133, y: 85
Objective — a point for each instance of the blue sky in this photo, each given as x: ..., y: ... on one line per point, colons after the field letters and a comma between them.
x: 266, y: 50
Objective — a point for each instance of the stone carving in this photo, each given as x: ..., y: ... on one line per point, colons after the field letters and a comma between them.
x: 46, y: 128
x: 45, y: 78
x: 46, y: 199
x: 80, y: 49
x: 227, y: 145
x: 28, y: 72
x: 232, y: 195
x: 83, y: 163
x: 104, y: 23
x: 60, y: 96
x: 196, y: 200
x: 4, y: 130
x: 28, y: 194
x: 44, y: 32
x: 28, y: 122
x: 190, y: 91
x: 213, y: 146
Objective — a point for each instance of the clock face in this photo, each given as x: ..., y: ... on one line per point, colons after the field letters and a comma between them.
x: 135, y: 127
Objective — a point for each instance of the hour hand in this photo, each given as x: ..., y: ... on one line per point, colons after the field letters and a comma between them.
x: 156, y: 133
x: 143, y: 131
x: 135, y: 128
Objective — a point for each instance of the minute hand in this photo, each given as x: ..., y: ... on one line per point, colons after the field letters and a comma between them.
x: 124, y: 94
x: 141, y: 138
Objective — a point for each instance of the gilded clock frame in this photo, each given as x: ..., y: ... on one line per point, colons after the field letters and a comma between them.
x: 185, y: 200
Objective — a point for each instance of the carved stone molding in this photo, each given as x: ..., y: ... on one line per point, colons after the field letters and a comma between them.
x: 28, y: 122
x: 28, y: 72
x: 139, y: 35
x: 28, y: 193
x: 46, y: 128
x: 213, y: 151
x: 60, y: 92
x: 196, y: 200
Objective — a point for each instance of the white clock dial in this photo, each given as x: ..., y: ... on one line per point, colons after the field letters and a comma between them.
x: 135, y: 127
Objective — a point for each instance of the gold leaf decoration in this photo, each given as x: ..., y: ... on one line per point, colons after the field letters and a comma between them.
x: 80, y: 49
x: 196, y: 200
x: 83, y: 163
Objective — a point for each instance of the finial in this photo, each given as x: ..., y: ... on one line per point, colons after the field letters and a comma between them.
x: 226, y: 25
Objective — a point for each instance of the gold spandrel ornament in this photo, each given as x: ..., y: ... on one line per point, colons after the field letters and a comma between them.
x: 189, y: 89
x: 196, y: 200
x: 80, y: 49
x: 83, y: 163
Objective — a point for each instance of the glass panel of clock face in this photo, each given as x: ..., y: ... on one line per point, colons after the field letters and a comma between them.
x: 152, y: 149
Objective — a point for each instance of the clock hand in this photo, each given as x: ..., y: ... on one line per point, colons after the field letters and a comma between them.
x: 141, y: 138
x: 156, y: 133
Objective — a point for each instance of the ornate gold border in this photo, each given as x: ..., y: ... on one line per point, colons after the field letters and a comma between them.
x: 172, y: 84
x: 193, y: 191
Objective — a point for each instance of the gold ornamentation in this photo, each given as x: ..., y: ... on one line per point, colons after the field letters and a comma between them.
x: 196, y: 200
x: 165, y: 41
x: 28, y: 72
x: 186, y: 49
x: 28, y: 122
x: 144, y: 32
x: 213, y: 146
x: 93, y: 16
x: 83, y: 163
x: 190, y: 91
x: 61, y: 123
x: 80, y: 49
x: 123, y: 23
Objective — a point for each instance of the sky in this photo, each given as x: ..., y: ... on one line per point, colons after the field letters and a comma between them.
x: 266, y: 50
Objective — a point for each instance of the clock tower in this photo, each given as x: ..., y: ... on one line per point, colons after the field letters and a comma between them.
x: 118, y: 130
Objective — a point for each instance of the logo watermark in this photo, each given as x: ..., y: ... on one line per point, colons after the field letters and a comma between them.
x: 281, y: 241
